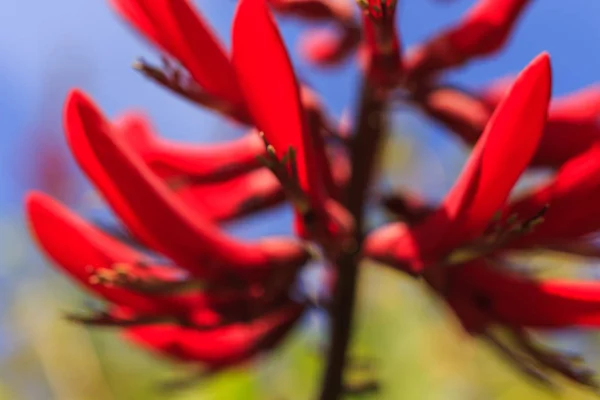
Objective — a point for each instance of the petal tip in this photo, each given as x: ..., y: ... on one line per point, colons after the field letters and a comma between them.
x: 39, y: 210
x: 543, y: 61
x: 75, y: 98
x: 36, y: 201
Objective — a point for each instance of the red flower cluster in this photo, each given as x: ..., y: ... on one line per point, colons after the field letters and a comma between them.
x: 459, y: 248
x: 219, y: 300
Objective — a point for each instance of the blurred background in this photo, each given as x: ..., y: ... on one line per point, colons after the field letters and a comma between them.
x: 416, y: 349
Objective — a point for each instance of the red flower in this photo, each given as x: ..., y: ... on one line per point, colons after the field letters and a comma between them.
x: 225, y: 180
x: 178, y: 30
x: 482, y: 295
x: 86, y: 253
x: 479, y: 293
x: 483, y: 31
x: 273, y: 99
x: 327, y: 47
x: 271, y: 91
x: 324, y: 46
x: 382, y: 42
x: 274, y: 105
x: 135, y: 172
x: 169, y: 196
x: 572, y: 124
x: 212, y: 163
x: 236, y: 197
x: 201, y: 326
x: 459, y: 251
x: 221, y: 347
x: 151, y: 212
x: 572, y: 196
x: 485, y: 182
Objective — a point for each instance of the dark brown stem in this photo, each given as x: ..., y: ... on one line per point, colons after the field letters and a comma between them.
x: 176, y: 81
x: 368, y: 131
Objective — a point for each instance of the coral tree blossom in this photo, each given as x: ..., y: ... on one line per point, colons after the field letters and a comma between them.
x: 216, y: 299
x: 459, y: 247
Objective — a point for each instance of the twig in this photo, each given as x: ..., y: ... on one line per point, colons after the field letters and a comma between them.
x: 369, y: 128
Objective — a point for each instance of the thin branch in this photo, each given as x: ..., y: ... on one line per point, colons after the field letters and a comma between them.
x: 369, y: 129
x: 176, y: 80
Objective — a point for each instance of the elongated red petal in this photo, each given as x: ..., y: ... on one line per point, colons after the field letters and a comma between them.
x: 581, y: 105
x: 513, y: 300
x: 325, y: 47
x: 500, y: 156
x: 271, y: 91
x: 79, y: 248
x: 573, y: 127
x: 76, y: 127
x: 214, y: 179
x: 237, y: 197
x: 221, y: 347
x: 575, y: 107
x: 483, y: 31
x: 316, y: 125
x: 214, y: 162
x: 464, y: 114
x: 183, y: 234
x: 572, y: 197
x: 382, y: 42
x: 175, y: 27
x: 400, y: 247
x: 572, y: 123
x: 506, y: 147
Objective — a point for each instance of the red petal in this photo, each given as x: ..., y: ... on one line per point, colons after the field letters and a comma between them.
x: 316, y: 126
x: 271, y: 91
x: 516, y: 301
x: 572, y: 123
x: 78, y: 248
x: 483, y: 31
x: 183, y: 234
x: 324, y: 46
x: 179, y: 30
x: 581, y: 105
x: 212, y: 162
x: 505, y: 149
x: 221, y: 347
x: 572, y: 196
x: 382, y: 41
x: 500, y: 156
x: 400, y: 247
x: 327, y: 48
x: 463, y: 113
x: 75, y: 131
x: 237, y: 197
x: 218, y: 183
